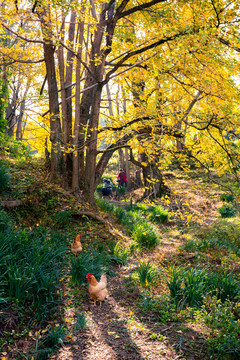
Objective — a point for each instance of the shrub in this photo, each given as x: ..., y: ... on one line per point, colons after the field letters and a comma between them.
x: 227, y: 211
x: 145, y: 235
x: 227, y: 197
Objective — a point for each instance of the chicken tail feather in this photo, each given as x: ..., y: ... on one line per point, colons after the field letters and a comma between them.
x: 104, y: 278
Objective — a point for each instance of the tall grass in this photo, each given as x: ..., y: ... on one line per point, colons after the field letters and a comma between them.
x: 142, y: 230
x: 145, y: 235
x: 158, y: 214
x: 94, y: 260
x: 188, y: 287
x: 5, y: 179
x: 119, y: 254
x: 147, y: 273
x: 221, y: 236
x: 51, y: 342
x: 31, y: 264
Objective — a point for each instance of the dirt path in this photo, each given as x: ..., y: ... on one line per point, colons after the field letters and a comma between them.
x: 118, y: 330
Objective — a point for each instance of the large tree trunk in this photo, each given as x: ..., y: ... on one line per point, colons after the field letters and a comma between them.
x: 91, y: 154
x: 55, y: 125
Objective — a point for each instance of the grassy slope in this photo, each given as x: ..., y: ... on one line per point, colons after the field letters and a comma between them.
x: 136, y: 322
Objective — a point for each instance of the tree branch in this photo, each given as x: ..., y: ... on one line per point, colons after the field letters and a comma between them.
x: 22, y: 37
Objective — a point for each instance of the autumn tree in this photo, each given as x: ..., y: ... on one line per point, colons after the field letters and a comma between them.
x: 176, y: 49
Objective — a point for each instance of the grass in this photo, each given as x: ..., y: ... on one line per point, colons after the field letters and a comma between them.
x: 51, y: 342
x: 31, y: 264
x: 95, y: 260
x: 227, y: 211
x: 5, y: 179
x: 81, y: 321
x: 198, y: 294
x: 145, y: 235
x: 189, y: 286
x: 147, y: 273
x: 142, y: 231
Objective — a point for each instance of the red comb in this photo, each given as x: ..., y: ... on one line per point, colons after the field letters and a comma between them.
x: 89, y: 275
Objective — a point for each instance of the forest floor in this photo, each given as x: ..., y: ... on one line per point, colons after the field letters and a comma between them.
x: 121, y: 328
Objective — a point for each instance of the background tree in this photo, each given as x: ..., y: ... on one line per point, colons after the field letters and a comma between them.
x: 180, y: 49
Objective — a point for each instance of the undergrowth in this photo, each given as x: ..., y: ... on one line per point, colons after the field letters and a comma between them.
x: 31, y: 263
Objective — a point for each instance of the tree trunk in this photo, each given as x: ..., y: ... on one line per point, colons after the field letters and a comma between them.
x: 55, y: 124
x: 91, y: 153
x: 76, y: 154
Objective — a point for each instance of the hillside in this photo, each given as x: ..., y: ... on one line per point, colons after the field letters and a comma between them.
x: 178, y: 299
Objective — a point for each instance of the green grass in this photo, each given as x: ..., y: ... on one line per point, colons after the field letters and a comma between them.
x: 227, y: 211
x: 189, y: 286
x: 143, y: 231
x: 147, y: 273
x: 224, y: 338
x: 5, y: 178
x: 81, y: 321
x: 95, y: 260
x: 51, y: 342
x: 31, y: 263
x: 145, y: 235
x: 158, y: 215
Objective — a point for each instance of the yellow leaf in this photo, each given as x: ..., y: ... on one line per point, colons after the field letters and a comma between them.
x: 111, y: 332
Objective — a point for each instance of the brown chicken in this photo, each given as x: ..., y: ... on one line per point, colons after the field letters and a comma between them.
x: 97, y: 290
x: 76, y: 246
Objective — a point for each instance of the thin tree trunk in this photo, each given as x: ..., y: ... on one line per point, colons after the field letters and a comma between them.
x: 19, y: 132
x: 76, y: 154
x: 55, y: 124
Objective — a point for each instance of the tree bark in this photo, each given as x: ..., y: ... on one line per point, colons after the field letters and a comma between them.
x: 55, y: 124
